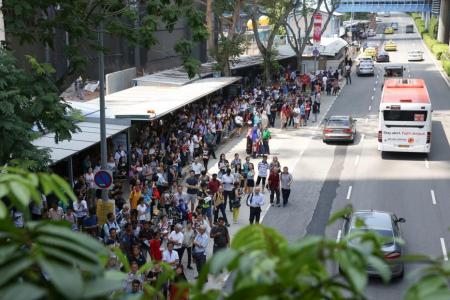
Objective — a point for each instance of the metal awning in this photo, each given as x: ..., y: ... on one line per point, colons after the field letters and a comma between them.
x: 87, y: 137
x: 153, y: 102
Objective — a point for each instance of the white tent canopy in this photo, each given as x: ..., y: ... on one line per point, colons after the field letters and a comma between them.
x: 87, y: 137
x: 153, y: 102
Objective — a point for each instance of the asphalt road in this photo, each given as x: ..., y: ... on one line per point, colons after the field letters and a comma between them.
x: 415, y: 187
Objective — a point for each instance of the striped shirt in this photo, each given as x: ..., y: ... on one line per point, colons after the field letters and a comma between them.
x: 263, y: 167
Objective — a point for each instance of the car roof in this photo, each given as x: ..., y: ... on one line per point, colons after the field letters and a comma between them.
x: 393, y: 67
x: 373, y: 219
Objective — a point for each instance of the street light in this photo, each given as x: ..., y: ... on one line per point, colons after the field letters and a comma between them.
x: 101, y: 74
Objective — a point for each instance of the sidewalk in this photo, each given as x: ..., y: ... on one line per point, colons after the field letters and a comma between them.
x: 288, y: 154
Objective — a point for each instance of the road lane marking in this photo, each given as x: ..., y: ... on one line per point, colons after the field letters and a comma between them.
x: 374, y: 89
x: 338, y: 238
x: 362, y: 138
x: 444, y: 249
x: 370, y: 107
x: 372, y: 97
x: 427, y: 163
x: 376, y: 82
x: 366, y: 121
x: 377, y: 76
x: 433, y: 197
x: 349, y: 193
x: 357, y: 160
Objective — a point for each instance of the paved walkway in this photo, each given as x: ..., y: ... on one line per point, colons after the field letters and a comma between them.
x: 288, y: 145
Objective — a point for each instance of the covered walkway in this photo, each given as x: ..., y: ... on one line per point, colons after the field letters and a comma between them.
x: 384, y: 5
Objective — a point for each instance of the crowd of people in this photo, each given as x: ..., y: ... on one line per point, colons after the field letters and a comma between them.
x: 168, y: 207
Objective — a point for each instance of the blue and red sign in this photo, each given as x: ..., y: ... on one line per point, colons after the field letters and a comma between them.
x: 103, y: 179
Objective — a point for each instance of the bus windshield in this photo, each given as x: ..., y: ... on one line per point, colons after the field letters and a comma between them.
x: 405, y: 115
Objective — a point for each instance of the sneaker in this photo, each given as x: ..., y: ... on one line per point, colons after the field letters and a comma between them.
x: 271, y: 204
x: 189, y: 267
x: 278, y: 205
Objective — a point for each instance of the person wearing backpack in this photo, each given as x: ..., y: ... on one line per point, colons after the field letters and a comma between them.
x: 110, y: 223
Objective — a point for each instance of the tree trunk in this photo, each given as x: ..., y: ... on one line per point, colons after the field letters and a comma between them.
x: 299, y: 62
x: 210, y: 43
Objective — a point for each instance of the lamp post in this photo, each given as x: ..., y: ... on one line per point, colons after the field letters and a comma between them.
x: 101, y: 74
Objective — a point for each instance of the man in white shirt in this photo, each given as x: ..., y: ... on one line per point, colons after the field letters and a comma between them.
x: 228, y: 185
x: 197, y: 167
x: 263, y: 167
x: 255, y: 201
x: 200, y: 245
x: 176, y: 237
x: 170, y: 256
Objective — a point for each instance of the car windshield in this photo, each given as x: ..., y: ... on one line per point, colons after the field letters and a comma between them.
x: 338, y: 123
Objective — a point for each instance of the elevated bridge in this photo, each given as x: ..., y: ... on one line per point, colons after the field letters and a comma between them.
x: 385, y: 5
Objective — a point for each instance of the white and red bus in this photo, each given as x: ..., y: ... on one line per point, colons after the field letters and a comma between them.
x: 405, y: 116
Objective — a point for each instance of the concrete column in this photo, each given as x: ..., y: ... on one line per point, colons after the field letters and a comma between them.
x: 427, y: 20
x: 2, y: 24
x: 444, y: 21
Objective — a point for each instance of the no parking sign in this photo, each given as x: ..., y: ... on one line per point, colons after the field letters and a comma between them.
x: 103, y: 179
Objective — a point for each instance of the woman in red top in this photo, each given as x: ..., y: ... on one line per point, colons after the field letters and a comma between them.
x: 178, y: 287
x: 155, y: 247
x: 274, y: 185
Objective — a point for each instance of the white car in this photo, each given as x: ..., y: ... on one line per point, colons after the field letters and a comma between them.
x: 371, y: 32
x: 415, y: 55
x: 365, y: 68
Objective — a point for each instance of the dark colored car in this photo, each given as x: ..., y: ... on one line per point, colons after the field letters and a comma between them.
x: 382, y: 56
x: 386, y: 224
x: 409, y: 28
x: 339, y: 128
x: 394, y: 71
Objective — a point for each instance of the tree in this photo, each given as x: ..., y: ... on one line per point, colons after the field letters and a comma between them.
x: 298, y: 37
x: 277, y: 11
x: 37, y: 21
x: 31, y: 105
x: 231, y: 44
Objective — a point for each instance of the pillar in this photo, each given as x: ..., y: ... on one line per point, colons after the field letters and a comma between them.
x: 444, y: 21
x: 427, y: 20
x: 2, y: 24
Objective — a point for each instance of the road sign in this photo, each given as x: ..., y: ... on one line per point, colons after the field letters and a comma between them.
x: 103, y: 179
x: 315, y: 52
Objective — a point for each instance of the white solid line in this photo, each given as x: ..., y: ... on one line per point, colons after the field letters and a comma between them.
x: 357, y: 160
x: 433, y: 197
x: 427, y: 164
x: 349, y: 193
x: 370, y: 107
x: 366, y: 121
x: 338, y: 238
x: 444, y: 249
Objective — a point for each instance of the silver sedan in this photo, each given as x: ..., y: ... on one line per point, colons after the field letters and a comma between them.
x: 339, y: 128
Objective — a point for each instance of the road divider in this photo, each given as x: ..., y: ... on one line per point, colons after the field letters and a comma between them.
x: 444, y: 249
x: 433, y: 197
x: 349, y: 192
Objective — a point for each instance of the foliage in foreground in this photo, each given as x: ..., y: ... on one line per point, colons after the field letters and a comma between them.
x: 47, y: 260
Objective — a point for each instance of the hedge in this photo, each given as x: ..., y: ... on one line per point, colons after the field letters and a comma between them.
x: 429, y: 41
x: 438, y: 49
x: 445, y: 59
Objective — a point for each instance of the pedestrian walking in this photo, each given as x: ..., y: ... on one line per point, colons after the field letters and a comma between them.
x: 266, y: 136
x: 286, y: 181
x: 220, y: 235
x: 255, y: 201
x: 236, y: 201
x: 219, y: 205
x: 274, y: 186
x: 250, y: 178
x: 227, y: 182
x: 263, y: 167
x: 188, y: 239
x: 200, y: 243
x: 315, y: 110
x: 348, y: 78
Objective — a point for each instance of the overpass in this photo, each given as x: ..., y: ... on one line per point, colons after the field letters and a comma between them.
x: 441, y: 8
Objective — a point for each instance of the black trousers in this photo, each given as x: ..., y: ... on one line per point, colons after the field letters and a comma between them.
x: 255, y: 214
x: 200, y: 260
x: 275, y: 192
x: 189, y: 253
x: 220, y: 208
x: 266, y: 147
x: 285, y: 194
x: 227, y: 196
x: 259, y: 179
x: 211, y: 151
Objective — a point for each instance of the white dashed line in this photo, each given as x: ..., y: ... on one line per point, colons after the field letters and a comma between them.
x: 349, y: 193
x: 377, y: 76
x: 376, y: 82
x: 362, y: 138
x: 372, y: 97
x: 427, y: 163
x: 370, y: 107
x: 444, y: 249
x: 433, y: 197
x: 366, y: 121
x: 357, y: 160
x: 374, y: 89
x: 338, y: 238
